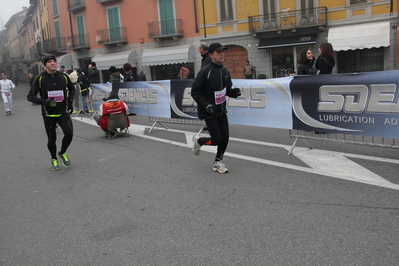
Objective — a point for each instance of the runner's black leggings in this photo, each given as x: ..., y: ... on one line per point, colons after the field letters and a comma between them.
x: 218, y: 128
x: 65, y: 123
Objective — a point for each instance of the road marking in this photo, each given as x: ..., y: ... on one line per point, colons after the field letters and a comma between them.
x: 320, y: 162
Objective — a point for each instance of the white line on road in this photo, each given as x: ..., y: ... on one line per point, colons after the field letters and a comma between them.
x: 320, y: 162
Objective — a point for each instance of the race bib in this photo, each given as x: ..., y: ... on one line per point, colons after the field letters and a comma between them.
x: 57, y: 95
x: 220, y: 96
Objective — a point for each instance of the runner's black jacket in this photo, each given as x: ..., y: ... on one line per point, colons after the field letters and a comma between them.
x: 212, y: 77
x: 49, y: 82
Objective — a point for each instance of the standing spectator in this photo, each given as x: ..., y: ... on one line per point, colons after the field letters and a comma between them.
x: 94, y: 73
x: 141, y: 76
x: 84, y: 84
x: 248, y: 70
x: 31, y: 78
x: 306, y: 62
x: 115, y: 75
x: 129, y: 75
x: 74, y: 76
x: 209, y: 90
x: 56, y: 94
x: 6, y: 85
x: 326, y: 60
x: 203, y: 50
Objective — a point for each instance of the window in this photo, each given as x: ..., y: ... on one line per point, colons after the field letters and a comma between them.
x: 269, y: 10
x: 364, y: 60
x: 114, y: 28
x: 226, y: 10
x: 166, y: 17
x: 355, y: 2
x: 55, y: 8
x: 81, y: 31
x: 58, y: 40
x: 165, y: 72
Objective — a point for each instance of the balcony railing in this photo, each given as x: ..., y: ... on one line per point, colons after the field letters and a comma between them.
x: 74, y: 5
x: 17, y: 59
x: 288, y: 20
x: 107, y: 1
x: 54, y: 45
x: 112, y: 36
x: 165, y: 29
x: 78, y: 41
x: 27, y: 58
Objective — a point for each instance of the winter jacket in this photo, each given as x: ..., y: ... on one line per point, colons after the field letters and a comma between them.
x: 210, y: 79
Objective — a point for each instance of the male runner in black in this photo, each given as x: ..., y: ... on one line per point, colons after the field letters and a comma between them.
x: 56, y: 93
x: 209, y: 91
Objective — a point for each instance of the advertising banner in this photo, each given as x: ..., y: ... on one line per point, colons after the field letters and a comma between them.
x: 359, y: 104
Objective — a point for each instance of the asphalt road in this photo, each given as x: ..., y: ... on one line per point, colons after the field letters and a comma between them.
x: 147, y: 200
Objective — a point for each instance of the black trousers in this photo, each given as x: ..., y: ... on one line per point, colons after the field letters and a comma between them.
x: 65, y: 123
x: 218, y: 129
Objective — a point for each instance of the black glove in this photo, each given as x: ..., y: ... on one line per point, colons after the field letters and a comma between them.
x: 211, y: 109
x: 237, y: 92
x: 50, y: 102
x: 70, y: 107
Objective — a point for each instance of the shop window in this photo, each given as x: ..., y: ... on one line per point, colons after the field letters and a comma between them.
x: 364, y: 60
x: 166, y: 72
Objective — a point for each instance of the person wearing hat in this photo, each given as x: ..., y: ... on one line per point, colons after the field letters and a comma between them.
x: 6, y: 85
x: 56, y: 94
x: 209, y: 90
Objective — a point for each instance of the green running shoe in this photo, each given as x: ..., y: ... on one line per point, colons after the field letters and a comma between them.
x: 65, y: 159
x: 55, y: 165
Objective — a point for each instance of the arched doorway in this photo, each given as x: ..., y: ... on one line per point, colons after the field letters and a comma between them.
x: 234, y: 60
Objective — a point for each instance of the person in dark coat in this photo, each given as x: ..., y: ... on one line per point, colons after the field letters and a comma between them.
x: 306, y: 62
x: 129, y: 74
x: 326, y: 60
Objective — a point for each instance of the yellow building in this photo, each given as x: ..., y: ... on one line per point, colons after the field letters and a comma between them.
x: 271, y: 33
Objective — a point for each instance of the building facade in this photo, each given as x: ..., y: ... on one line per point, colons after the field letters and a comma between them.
x: 271, y: 34
x: 157, y: 37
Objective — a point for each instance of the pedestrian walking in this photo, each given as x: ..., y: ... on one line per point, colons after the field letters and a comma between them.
x: 6, y: 87
x: 209, y: 90
x: 56, y: 93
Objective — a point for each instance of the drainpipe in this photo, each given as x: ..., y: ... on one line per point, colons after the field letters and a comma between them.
x: 71, y: 29
x: 196, y: 17
x: 203, y: 15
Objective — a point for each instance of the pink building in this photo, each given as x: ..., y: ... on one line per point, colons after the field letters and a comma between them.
x: 157, y: 37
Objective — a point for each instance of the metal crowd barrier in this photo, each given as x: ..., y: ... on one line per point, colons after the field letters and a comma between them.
x: 347, y: 138
x: 78, y: 104
x: 162, y: 120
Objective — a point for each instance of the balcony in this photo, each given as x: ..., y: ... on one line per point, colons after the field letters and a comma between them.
x: 56, y: 45
x: 17, y: 59
x: 290, y: 20
x: 79, y: 42
x: 171, y: 28
x: 27, y: 59
x: 112, y: 36
x: 75, y: 5
x: 107, y: 1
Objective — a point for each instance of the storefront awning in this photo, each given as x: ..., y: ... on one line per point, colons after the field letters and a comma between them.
x: 364, y: 36
x: 105, y: 61
x: 65, y: 60
x: 287, y: 41
x: 168, y: 55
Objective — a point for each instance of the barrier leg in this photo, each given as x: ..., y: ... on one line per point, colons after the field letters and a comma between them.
x: 295, y: 142
x: 153, y: 125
